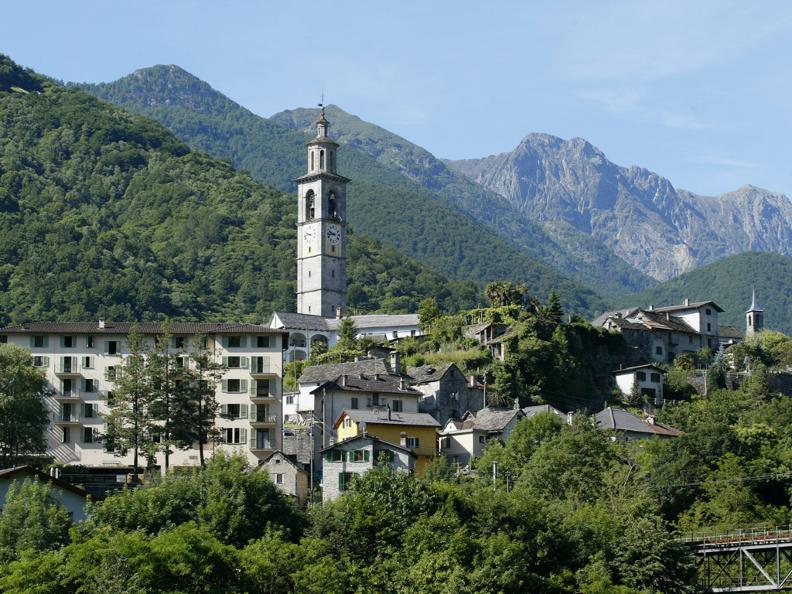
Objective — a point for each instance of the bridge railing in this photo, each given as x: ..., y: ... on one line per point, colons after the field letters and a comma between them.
x: 757, y: 534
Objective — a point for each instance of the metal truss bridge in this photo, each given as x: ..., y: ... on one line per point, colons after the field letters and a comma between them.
x: 755, y: 560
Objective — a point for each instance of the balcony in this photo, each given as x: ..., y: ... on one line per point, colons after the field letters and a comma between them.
x: 65, y: 418
x: 262, y: 446
x: 260, y: 368
x: 72, y: 396
x: 264, y: 397
x: 264, y: 421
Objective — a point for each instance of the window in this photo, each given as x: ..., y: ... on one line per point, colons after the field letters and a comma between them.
x: 279, y: 479
x: 709, y: 327
x: 347, y: 423
x: 87, y: 362
x: 88, y: 435
x: 345, y: 480
x: 310, y: 205
x: 359, y: 456
x: 659, y: 350
x: 234, y: 342
x: 89, y: 342
x: 110, y: 398
x: 641, y: 375
x: 235, y: 435
x: 234, y: 386
x: 111, y: 347
x: 482, y: 439
x: 66, y: 387
x: 89, y: 411
x: 179, y: 342
x: 90, y: 385
x: 263, y: 388
x: 412, y: 442
x: 690, y: 339
x: 709, y: 312
x: 321, y: 159
x: 655, y: 377
x: 354, y: 404
x: 68, y: 342
x: 397, y: 406
x: 66, y: 435
x: 39, y: 342
x: 110, y: 373
x: 263, y: 342
x: 312, y: 160
x: 3, y: 339
x: 333, y: 456
x: 39, y: 361
x: 181, y: 362
x: 289, y: 399
x: 232, y: 411
x: 331, y: 205
x: 233, y: 362
x: 375, y: 399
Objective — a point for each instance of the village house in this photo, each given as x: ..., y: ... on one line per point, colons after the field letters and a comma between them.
x: 80, y: 361
x: 447, y: 393
x: 664, y: 332
x: 74, y: 499
x: 625, y: 426
x: 647, y: 379
x: 462, y: 440
x: 416, y: 432
x: 287, y: 474
x: 531, y: 411
x: 357, y: 455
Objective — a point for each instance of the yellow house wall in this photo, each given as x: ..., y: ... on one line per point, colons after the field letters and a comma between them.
x: 427, y: 439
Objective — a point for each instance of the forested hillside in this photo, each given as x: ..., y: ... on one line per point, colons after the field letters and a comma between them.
x: 729, y: 283
x: 107, y: 214
x: 424, y: 219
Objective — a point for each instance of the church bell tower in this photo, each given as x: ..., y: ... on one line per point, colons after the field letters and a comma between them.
x: 754, y: 317
x: 321, y: 230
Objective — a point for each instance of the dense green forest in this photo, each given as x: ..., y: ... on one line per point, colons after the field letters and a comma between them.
x: 412, y: 214
x: 107, y: 214
x: 729, y: 283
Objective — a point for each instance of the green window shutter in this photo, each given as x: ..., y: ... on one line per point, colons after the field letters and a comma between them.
x: 243, y: 341
x: 82, y: 410
x: 106, y: 348
x: 224, y: 410
x: 365, y: 455
x: 243, y: 435
x: 46, y: 341
x: 82, y: 384
x: 224, y: 341
x: 243, y: 411
x: 45, y: 361
x: 224, y: 384
x: 253, y: 440
x: 63, y: 341
x: 253, y: 387
x: 243, y: 362
x: 253, y: 412
x: 243, y: 386
x: 225, y: 361
x: 32, y: 341
x: 328, y: 457
x: 341, y: 485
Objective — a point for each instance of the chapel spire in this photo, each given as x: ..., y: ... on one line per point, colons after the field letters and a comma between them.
x: 754, y: 316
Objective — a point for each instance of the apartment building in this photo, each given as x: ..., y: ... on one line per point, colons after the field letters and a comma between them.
x: 80, y: 361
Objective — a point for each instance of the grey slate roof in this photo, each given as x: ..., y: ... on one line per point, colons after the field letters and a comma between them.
x: 530, y: 411
x: 373, y: 439
x: 690, y: 305
x: 176, y: 328
x: 618, y: 419
x: 296, y: 321
x: 619, y: 313
x: 330, y: 372
x: 490, y: 419
x: 384, y: 417
x: 725, y: 331
x: 429, y: 373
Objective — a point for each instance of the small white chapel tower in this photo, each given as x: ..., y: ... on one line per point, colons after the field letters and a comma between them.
x: 754, y: 317
x: 321, y: 230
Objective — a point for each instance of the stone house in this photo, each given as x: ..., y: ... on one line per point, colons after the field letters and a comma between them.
x: 463, y: 440
x: 355, y: 456
x: 447, y: 393
x: 287, y: 474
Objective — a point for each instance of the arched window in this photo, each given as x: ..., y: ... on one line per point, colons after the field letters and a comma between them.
x: 321, y: 159
x: 331, y: 205
x: 310, y: 205
x: 312, y: 161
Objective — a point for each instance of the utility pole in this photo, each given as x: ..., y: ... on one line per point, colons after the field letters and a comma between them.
x: 494, y: 475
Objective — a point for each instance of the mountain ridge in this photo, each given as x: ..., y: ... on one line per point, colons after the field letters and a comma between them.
x: 638, y: 213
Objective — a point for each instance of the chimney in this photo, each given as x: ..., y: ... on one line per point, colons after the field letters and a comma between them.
x: 377, y: 377
x: 668, y: 316
x: 472, y: 381
x: 395, y: 362
x: 101, y: 324
x: 516, y: 405
x: 362, y: 428
x: 402, y: 385
x: 650, y: 419
x: 687, y: 301
x: 403, y: 439
x: 344, y: 381
x: 338, y: 312
x: 651, y: 308
x: 569, y: 418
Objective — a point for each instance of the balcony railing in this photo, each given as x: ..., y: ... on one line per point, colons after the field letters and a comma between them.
x: 67, y: 369
x: 63, y: 418
x: 262, y: 445
x: 265, y: 419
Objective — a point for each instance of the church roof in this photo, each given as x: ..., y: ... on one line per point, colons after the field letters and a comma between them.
x: 689, y: 305
x: 725, y: 331
x: 754, y: 303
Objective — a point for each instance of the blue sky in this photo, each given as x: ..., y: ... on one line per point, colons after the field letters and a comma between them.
x: 696, y: 91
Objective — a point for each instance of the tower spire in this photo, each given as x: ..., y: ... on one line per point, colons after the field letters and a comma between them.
x: 754, y: 316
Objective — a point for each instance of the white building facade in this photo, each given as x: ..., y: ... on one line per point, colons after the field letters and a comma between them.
x: 80, y: 360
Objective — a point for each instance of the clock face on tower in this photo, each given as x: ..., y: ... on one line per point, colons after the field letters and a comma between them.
x: 309, y: 234
x: 333, y: 234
